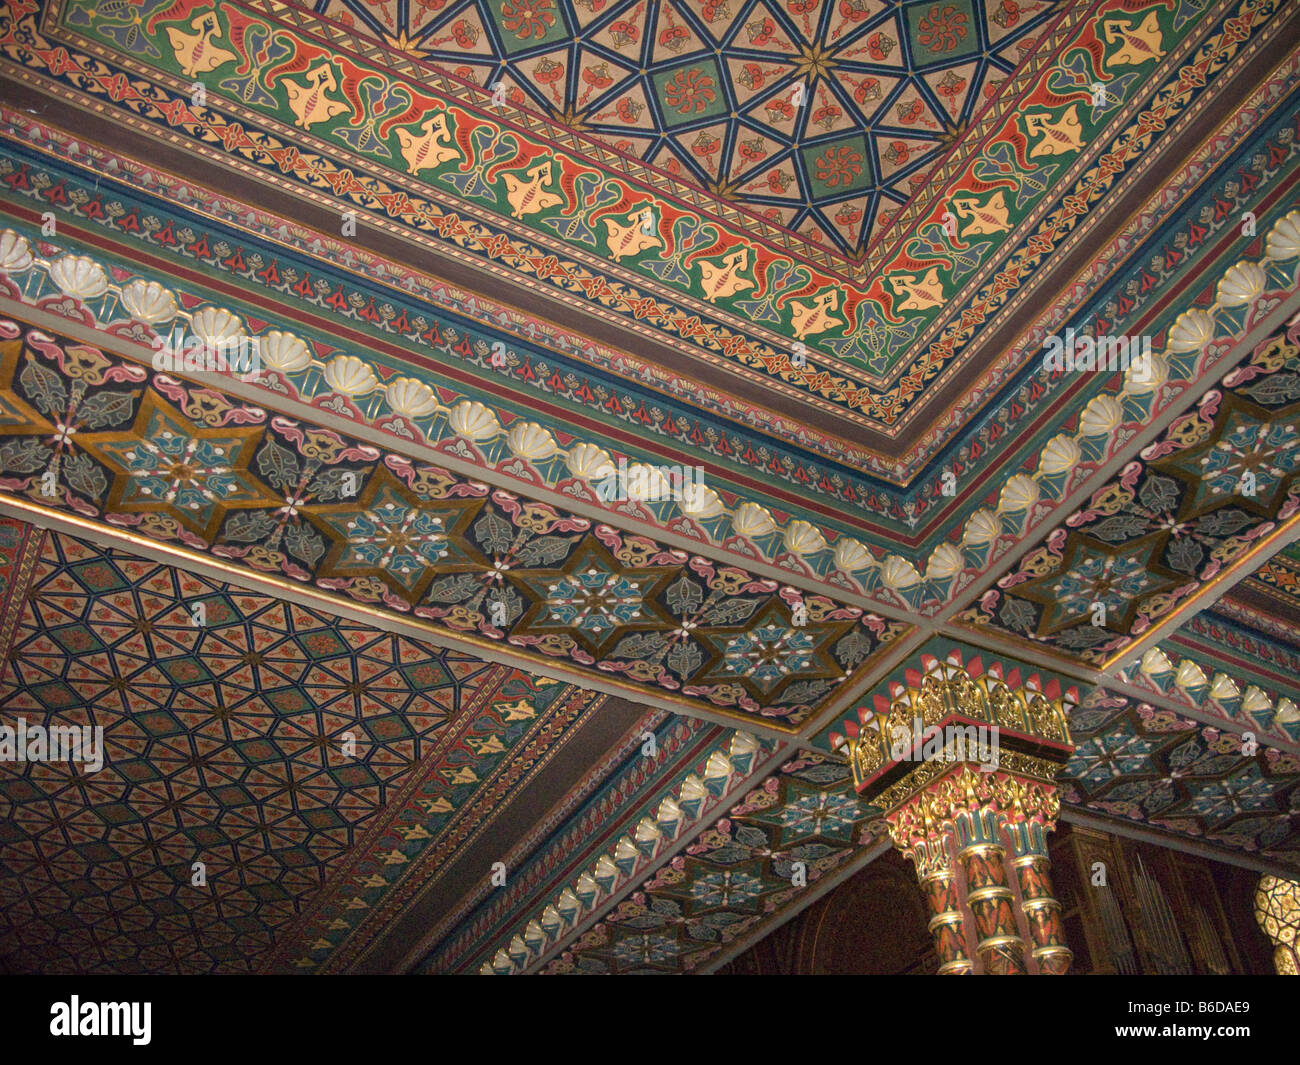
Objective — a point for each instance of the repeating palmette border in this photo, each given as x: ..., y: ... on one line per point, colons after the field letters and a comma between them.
x: 1166, y: 670
x: 1186, y: 54
x: 693, y: 801
x: 406, y: 408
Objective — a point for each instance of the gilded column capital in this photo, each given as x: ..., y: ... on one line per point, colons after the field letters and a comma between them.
x: 962, y: 759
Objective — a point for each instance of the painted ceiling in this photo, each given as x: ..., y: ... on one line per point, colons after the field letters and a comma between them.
x: 822, y: 119
x: 489, y: 253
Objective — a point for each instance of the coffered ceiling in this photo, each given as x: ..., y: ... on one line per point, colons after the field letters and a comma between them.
x: 490, y: 252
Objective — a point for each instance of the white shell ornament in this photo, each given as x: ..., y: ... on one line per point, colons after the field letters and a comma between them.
x: 15, y: 252
x: 79, y: 277
x: 471, y: 419
x: 700, y: 501
x: 1146, y: 375
x: 647, y: 482
x: 149, y: 302
x: 851, y: 556
x: 983, y: 527
x: 899, y: 574
x: 1101, y: 416
x: 1019, y: 493
x: 349, y: 376
x: 752, y: 520
x: 1191, y: 331
x: 410, y: 398
x: 589, y: 462
x: 1284, y: 238
x: 1242, y: 284
x: 530, y: 441
x: 215, y: 325
x: 801, y: 538
x: 1060, y: 454
x: 945, y: 561
x: 283, y: 352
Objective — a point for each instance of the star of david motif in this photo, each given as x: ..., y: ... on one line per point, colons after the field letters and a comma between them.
x: 594, y: 598
x: 1219, y: 801
x: 810, y: 812
x: 391, y: 534
x: 771, y: 652
x: 1248, y: 461
x: 768, y: 655
x: 166, y: 463
x: 738, y: 887
x: 1107, y: 757
x: 1118, y: 580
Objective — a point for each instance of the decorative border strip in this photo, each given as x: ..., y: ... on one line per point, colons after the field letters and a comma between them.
x: 698, y: 794
x: 347, y: 386
x: 1229, y: 40
x: 1179, y: 676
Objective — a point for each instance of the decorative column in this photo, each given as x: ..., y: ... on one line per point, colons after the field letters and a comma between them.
x: 962, y: 760
x: 1277, y: 909
x: 936, y: 871
x: 1042, y: 912
x: 983, y: 864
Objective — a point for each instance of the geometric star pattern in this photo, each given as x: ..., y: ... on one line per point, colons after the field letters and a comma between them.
x: 1158, y: 769
x: 1217, y: 481
x: 298, y: 502
x: 241, y: 731
x: 734, y: 877
x: 822, y: 118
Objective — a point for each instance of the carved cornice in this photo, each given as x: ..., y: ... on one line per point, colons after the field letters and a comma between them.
x: 1027, y: 715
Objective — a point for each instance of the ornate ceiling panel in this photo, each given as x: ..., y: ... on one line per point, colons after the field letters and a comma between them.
x: 1254, y: 645
x: 314, y: 294
x: 801, y: 825
x: 568, y: 210
x: 1243, y: 694
x: 420, y: 408
x: 820, y: 118
x: 601, y: 855
x: 1136, y: 766
x: 227, y: 744
x: 191, y: 467
x: 645, y: 388
x: 1214, y: 487
x: 1152, y: 766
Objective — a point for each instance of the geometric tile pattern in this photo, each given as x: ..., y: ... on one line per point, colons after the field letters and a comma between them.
x: 1218, y: 480
x: 798, y: 826
x: 821, y: 118
x: 226, y: 743
x: 878, y: 182
x: 1153, y: 767
x: 261, y: 64
x: 186, y: 465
